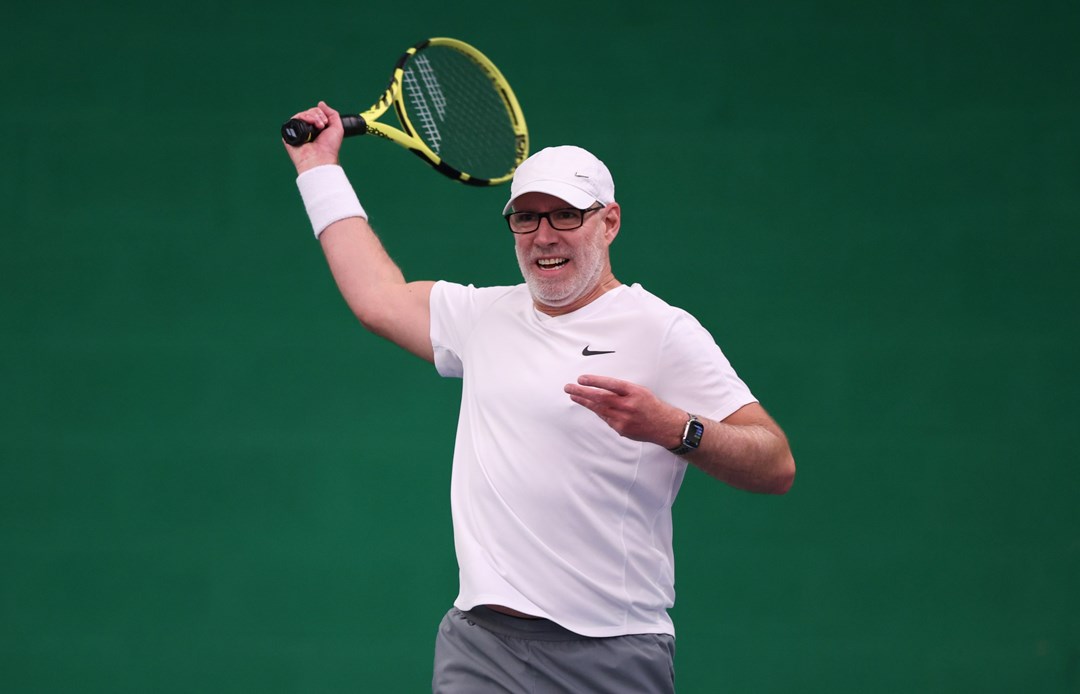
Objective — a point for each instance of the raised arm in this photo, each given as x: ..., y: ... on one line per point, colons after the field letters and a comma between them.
x: 371, y: 283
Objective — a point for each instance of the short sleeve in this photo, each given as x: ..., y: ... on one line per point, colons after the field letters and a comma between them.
x: 696, y: 375
x: 448, y: 302
x: 455, y: 310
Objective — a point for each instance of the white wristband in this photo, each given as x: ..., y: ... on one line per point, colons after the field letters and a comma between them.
x: 328, y: 196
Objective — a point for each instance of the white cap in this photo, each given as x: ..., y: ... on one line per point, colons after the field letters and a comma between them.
x: 567, y: 172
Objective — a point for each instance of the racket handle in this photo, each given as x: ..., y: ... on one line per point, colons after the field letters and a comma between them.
x: 298, y: 132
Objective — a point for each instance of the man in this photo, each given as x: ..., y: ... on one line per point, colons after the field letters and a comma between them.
x: 582, y: 401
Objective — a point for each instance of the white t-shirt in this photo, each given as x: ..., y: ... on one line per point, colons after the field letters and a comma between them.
x: 555, y: 514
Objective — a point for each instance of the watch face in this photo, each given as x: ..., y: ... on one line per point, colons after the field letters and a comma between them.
x: 694, y: 430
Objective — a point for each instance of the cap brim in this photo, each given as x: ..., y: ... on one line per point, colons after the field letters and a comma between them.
x: 575, y: 197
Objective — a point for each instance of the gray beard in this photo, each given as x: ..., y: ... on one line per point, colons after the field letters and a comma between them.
x: 556, y: 293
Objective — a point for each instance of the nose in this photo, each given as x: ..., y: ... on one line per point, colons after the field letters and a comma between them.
x: 546, y: 235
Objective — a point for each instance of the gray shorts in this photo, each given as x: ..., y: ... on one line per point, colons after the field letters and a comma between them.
x: 483, y: 651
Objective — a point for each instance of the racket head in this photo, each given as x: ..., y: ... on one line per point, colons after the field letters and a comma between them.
x: 456, y: 110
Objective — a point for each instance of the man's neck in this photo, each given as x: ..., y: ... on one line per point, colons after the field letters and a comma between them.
x: 603, y: 287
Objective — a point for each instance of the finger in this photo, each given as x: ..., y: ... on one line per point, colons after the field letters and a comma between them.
x: 596, y: 395
x: 584, y: 400
x: 332, y: 117
x: 313, y: 112
x: 614, y: 385
x: 596, y: 408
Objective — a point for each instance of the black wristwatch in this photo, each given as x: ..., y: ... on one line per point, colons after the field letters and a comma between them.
x: 691, y: 436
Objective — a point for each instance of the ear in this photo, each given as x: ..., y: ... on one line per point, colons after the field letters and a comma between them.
x: 612, y: 221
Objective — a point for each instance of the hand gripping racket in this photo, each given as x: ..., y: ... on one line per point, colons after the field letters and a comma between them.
x: 456, y: 110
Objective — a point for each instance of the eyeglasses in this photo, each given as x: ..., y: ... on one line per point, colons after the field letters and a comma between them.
x: 563, y: 220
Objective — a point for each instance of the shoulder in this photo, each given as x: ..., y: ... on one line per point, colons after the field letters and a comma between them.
x: 452, y: 299
x: 682, y: 336
x: 655, y: 310
x: 452, y: 291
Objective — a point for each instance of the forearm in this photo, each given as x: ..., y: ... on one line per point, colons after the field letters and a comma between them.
x: 361, y: 267
x: 374, y: 287
x: 371, y: 283
x: 750, y: 456
x: 747, y: 450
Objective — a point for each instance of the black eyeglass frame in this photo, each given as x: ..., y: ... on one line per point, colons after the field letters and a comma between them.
x: 547, y: 216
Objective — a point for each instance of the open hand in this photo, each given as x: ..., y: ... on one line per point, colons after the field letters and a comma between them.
x: 631, y: 410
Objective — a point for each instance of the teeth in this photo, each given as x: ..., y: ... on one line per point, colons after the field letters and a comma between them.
x: 550, y: 262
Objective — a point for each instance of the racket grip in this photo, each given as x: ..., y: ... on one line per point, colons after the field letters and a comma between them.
x: 297, y: 132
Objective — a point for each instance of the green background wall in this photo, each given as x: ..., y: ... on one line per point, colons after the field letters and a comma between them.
x: 212, y: 479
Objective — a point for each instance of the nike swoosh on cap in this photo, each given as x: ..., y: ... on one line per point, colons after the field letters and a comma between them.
x: 589, y: 352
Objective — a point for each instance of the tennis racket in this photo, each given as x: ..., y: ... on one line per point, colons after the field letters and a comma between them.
x: 456, y: 112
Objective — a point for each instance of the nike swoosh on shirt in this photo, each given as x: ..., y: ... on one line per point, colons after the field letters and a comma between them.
x: 589, y: 353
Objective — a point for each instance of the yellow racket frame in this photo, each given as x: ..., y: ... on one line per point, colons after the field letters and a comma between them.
x: 407, y: 137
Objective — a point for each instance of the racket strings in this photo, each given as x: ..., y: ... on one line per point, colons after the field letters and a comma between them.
x: 457, y: 110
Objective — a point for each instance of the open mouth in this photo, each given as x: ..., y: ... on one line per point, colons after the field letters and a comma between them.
x: 552, y: 263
